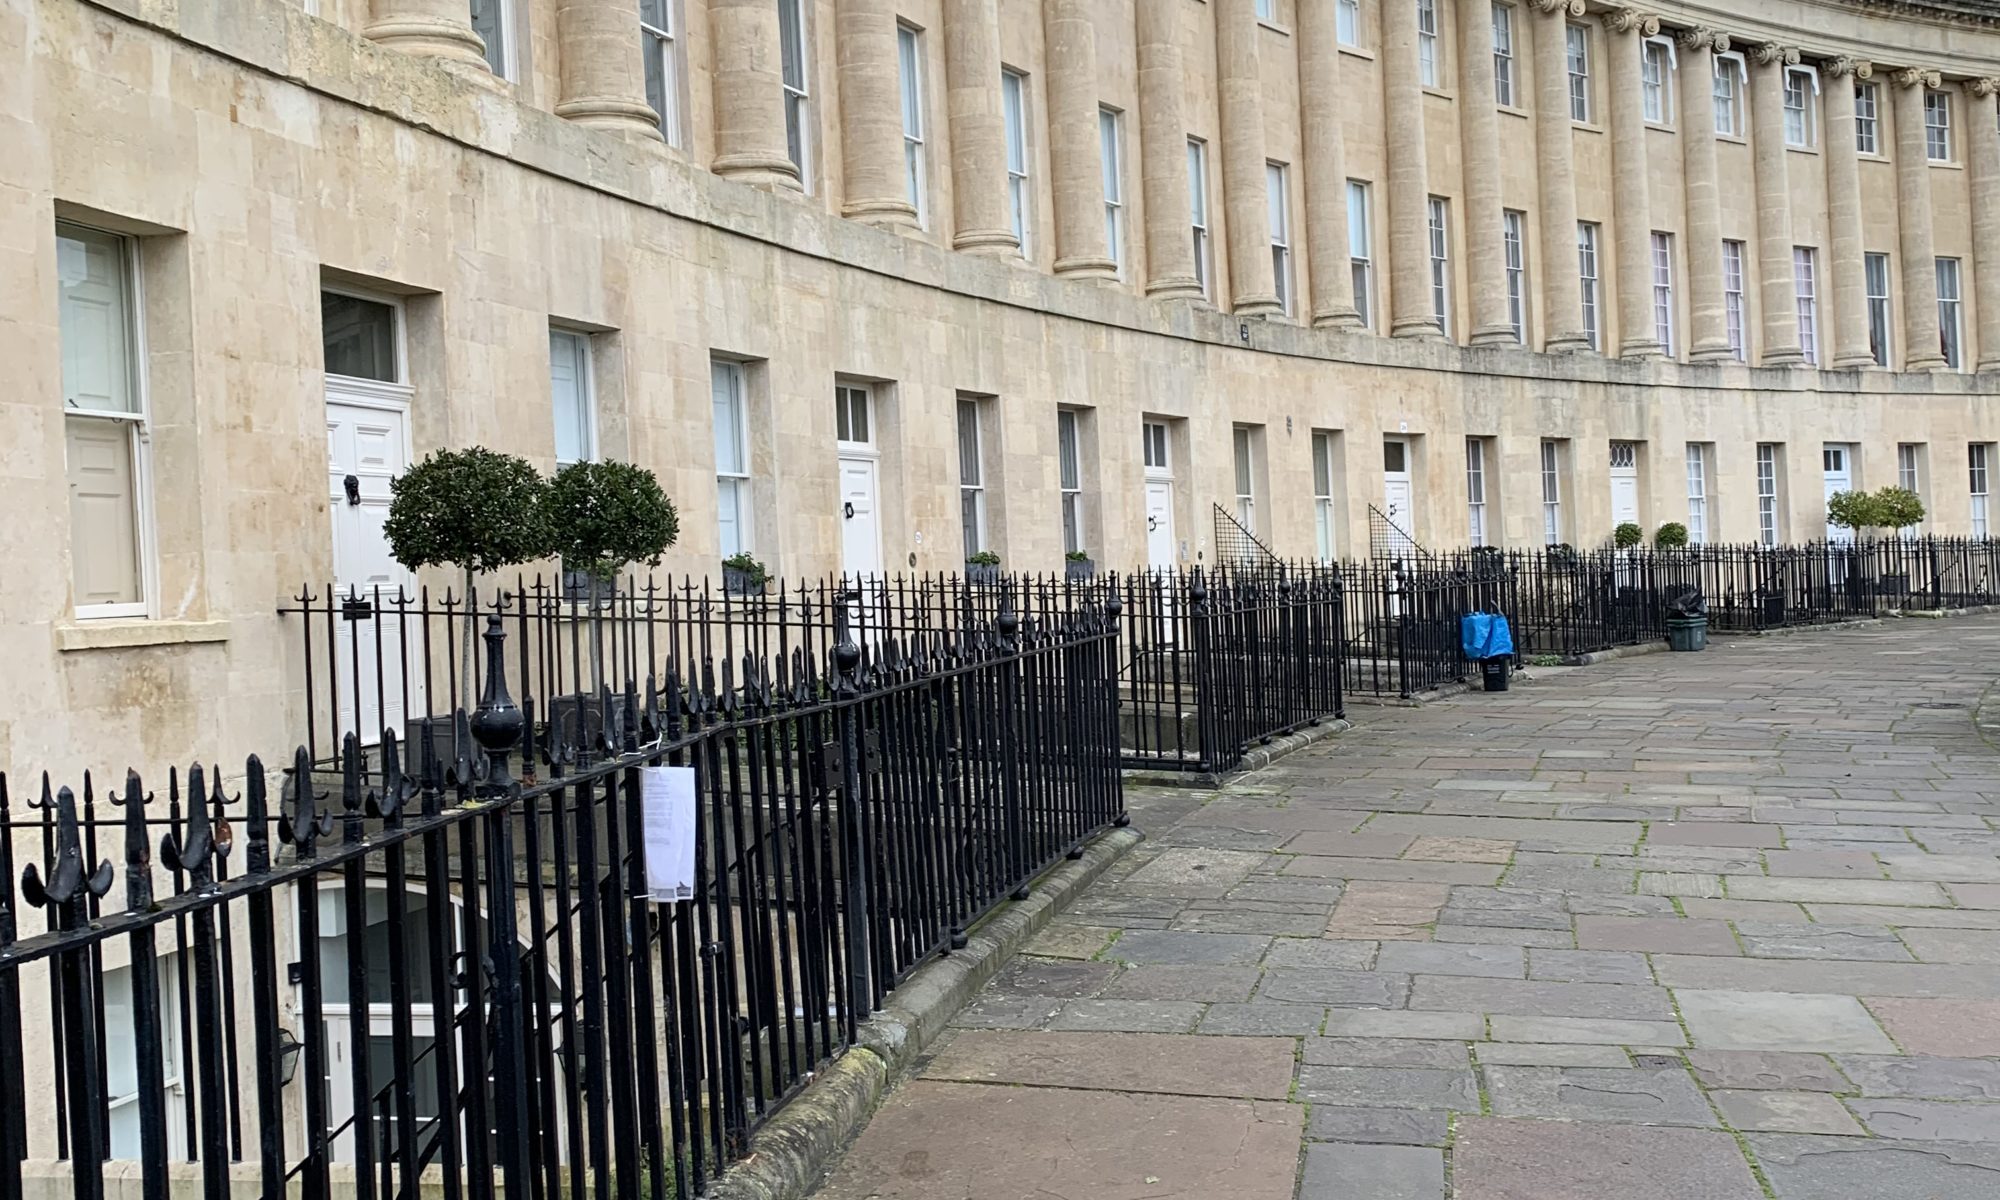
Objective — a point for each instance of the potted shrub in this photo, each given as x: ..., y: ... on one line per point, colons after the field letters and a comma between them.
x: 1078, y: 566
x: 983, y: 567
x: 603, y: 517
x: 1561, y: 556
x: 1885, y: 508
x: 477, y: 510
x: 1627, y: 535
x: 1671, y: 536
x: 743, y: 575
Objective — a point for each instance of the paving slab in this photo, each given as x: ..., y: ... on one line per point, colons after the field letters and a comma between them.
x: 1529, y: 997
x: 1587, y: 1031
x: 1588, y: 966
x: 1788, y: 939
x: 1127, y: 1016
x: 1496, y: 962
x: 1390, y: 1087
x: 1803, y: 1167
x: 1343, y: 1172
x: 1655, y: 935
x: 1385, y: 1052
x: 1331, y: 986
x: 1941, y: 1027
x: 1924, y: 980
x: 1955, y: 945
x: 1496, y: 1158
x: 1067, y: 978
x: 971, y: 1142
x: 1177, y: 981
x: 1928, y: 1120
x: 1193, y: 872
x: 1257, y: 1019
x: 1713, y: 833
x: 1532, y: 1054
x: 1145, y: 946
x: 1338, y: 953
x: 1391, y: 1126
x: 1732, y: 1020
x: 1390, y: 1024
x: 1460, y: 849
x: 1247, y: 1068
x: 1923, y: 1078
x: 1658, y: 1096
x: 1786, y: 1112
x: 1777, y: 1070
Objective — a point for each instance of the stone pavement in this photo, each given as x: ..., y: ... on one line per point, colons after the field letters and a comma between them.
x: 1681, y: 927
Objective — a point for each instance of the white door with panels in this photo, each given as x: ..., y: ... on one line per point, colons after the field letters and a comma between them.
x: 1837, y: 464
x: 1160, y: 546
x: 860, y: 482
x: 367, y: 448
x: 1624, y: 484
x: 1398, y: 503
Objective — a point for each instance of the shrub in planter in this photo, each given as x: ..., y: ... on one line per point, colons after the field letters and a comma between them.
x: 603, y: 517
x: 1561, y: 556
x: 1627, y: 535
x: 1885, y: 508
x: 1078, y: 565
x: 982, y: 567
x: 743, y: 575
x: 475, y: 509
x: 1671, y: 536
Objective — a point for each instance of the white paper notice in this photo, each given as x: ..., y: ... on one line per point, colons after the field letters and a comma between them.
x: 666, y: 796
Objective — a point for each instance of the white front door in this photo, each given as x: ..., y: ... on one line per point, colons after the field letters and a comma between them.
x: 1624, y: 484
x: 1397, y: 502
x: 860, y: 523
x: 1160, y: 524
x: 1838, y: 463
x: 368, y: 444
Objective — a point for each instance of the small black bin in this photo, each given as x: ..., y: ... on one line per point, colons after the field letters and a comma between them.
x: 1494, y: 671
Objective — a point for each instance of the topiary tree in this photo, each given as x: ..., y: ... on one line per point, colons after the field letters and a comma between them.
x: 1886, y: 508
x: 1671, y: 536
x: 1898, y: 507
x: 604, y: 516
x: 475, y: 509
x: 1627, y: 535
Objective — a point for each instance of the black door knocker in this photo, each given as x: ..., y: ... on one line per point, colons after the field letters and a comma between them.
x: 352, y: 484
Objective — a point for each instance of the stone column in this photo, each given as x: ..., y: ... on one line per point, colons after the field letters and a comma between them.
x: 1555, y: 157
x: 1323, y: 166
x: 1074, y: 160
x: 1843, y: 215
x: 431, y: 28
x: 1708, y: 339
x: 871, y: 114
x: 1775, y: 287
x: 1913, y: 218
x: 1410, y: 312
x: 749, y: 95
x: 982, y: 218
x: 603, y: 78
x: 1625, y: 32
x: 1479, y: 147
x: 1982, y: 154
x: 1245, y: 191
x: 1163, y: 155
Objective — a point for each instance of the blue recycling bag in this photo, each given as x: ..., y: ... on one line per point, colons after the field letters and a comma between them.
x: 1485, y: 635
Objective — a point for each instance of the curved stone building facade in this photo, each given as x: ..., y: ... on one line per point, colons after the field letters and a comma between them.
x: 874, y: 282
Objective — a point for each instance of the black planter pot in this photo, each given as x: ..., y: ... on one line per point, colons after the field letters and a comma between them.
x: 1079, y: 569
x: 739, y: 582
x: 1770, y: 608
x: 982, y: 572
x: 1892, y: 585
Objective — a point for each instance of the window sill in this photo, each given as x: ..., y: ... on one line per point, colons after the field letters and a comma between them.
x: 1812, y: 150
x: 1585, y: 126
x: 1280, y: 30
x: 1864, y: 156
x: 1734, y: 139
x: 1440, y: 93
x: 1358, y: 52
x: 122, y: 633
x: 1944, y: 164
x: 1512, y: 110
x: 1662, y: 126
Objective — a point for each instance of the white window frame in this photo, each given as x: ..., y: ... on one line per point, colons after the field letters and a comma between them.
x: 662, y: 46
x: 1663, y: 291
x: 137, y: 424
x: 1978, y: 456
x: 971, y: 443
x: 1801, y: 119
x: 1951, y: 312
x: 1576, y: 53
x: 729, y: 376
x: 1360, y: 250
x: 1244, y: 461
x: 1875, y: 286
x: 1657, y: 62
x: 1347, y: 23
x: 1014, y: 120
x: 1805, y: 284
x: 795, y: 50
x: 1503, y: 55
x: 1697, y: 492
x: 1324, y: 532
x: 1439, y: 227
x: 1588, y: 245
x: 1909, y: 476
x: 1156, y: 449
x: 1204, y: 250
x: 1278, y: 197
x: 1767, y: 493
x: 1551, y: 492
x: 1514, y: 250
x: 1430, y: 59
x: 1267, y: 11
x: 586, y: 387
x: 910, y: 89
x: 1475, y: 491
x: 1730, y: 86
x: 1867, y: 117
x: 1069, y: 478
x: 1937, y: 125
x: 1111, y: 161
x: 499, y: 59
x: 848, y: 397
x: 1735, y: 321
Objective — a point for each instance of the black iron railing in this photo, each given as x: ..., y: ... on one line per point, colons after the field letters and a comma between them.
x: 435, y: 962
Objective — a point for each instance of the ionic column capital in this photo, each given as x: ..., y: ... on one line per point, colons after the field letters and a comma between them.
x: 1984, y: 86
x: 1771, y: 54
x: 1702, y: 38
x: 1566, y: 8
x: 1631, y: 20
x: 1915, y: 77
x: 1860, y: 68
